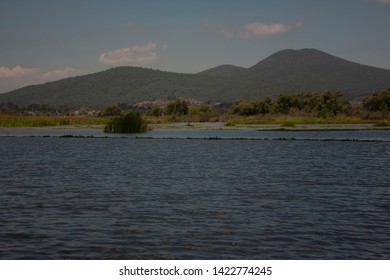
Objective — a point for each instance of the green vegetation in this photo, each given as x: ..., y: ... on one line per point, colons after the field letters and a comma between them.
x: 310, y: 108
x: 378, y: 101
x: 131, y: 122
x: 322, y: 105
x: 250, y: 108
x: 286, y: 71
x: 383, y: 123
x: 36, y: 121
x: 176, y: 107
x: 291, y: 121
x: 287, y: 110
x: 111, y: 111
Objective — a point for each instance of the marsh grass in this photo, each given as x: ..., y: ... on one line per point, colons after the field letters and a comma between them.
x: 288, y: 124
x: 131, y: 122
x: 291, y: 121
x: 229, y: 120
x: 38, y: 121
x: 383, y: 123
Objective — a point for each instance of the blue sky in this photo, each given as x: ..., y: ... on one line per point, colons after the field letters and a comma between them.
x: 45, y: 40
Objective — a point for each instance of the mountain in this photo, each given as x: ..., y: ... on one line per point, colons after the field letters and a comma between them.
x: 226, y: 70
x: 118, y: 85
x: 305, y: 70
x: 314, y: 70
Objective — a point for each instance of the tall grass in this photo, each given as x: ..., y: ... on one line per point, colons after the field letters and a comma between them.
x: 131, y: 122
x: 286, y: 120
x: 37, y: 121
x: 230, y: 120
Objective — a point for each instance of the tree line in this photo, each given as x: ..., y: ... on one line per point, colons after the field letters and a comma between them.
x: 324, y: 105
x: 327, y: 104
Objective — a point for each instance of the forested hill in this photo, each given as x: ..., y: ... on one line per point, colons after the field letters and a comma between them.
x: 119, y: 85
x: 314, y: 70
x: 306, y: 70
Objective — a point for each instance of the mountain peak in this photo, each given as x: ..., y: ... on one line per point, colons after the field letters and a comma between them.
x: 295, y: 58
x: 304, y: 70
x: 226, y: 70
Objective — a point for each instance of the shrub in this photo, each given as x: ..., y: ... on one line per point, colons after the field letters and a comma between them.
x: 156, y: 111
x: 177, y: 107
x: 200, y: 109
x: 111, y: 111
x: 131, y: 122
x: 251, y: 108
x: 378, y: 101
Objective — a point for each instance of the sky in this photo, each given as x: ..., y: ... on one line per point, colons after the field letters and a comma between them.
x: 47, y: 40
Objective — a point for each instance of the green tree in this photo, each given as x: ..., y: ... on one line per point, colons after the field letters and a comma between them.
x: 200, y: 109
x: 284, y: 102
x: 156, y: 111
x: 378, y: 101
x: 263, y: 106
x: 111, y: 111
x: 9, y: 108
x: 176, y: 107
x: 330, y: 105
x: 254, y: 107
x: 242, y: 107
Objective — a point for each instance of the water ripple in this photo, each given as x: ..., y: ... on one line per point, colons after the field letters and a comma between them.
x: 193, y: 199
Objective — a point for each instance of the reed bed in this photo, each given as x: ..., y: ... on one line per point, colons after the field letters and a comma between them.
x: 286, y: 120
x: 38, y: 121
x: 229, y: 120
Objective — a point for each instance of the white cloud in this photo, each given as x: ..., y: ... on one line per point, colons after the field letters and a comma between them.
x: 19, y: 76
x: 17, y: 72
x: 60, y: 74
x: 228, y: 34
x: 260, y: 29
x: 257, y: 29
x: 138, y: 55
x: 22, y: 72
x: 164, y: 47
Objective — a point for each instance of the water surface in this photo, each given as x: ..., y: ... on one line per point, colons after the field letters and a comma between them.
x: 249, y: 195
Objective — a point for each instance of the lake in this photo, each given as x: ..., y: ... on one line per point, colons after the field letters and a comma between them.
x: 194, y: 194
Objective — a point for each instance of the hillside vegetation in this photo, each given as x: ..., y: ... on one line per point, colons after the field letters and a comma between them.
x: 285, y: 109
x: 306, y: 70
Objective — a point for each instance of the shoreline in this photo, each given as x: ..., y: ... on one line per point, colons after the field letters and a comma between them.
x: 267, y: 127
x: 213, y: 131
x: 216, y: 126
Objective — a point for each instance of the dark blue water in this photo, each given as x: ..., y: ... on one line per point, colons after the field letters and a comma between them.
x: 110, y: 198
